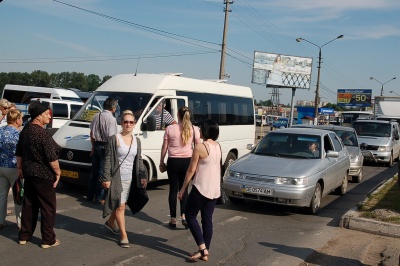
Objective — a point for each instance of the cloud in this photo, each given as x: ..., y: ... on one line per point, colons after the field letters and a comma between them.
x: 375, y: 32
x: 339, y: 5
x: 70, y: 45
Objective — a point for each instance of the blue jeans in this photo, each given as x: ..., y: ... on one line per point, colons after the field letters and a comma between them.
x: 95, y: 190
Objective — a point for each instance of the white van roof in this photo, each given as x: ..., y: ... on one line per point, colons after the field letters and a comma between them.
x: 60, y: 91
x: 154, y: 82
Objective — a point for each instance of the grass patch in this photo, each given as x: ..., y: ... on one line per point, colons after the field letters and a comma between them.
x: 383, y: 205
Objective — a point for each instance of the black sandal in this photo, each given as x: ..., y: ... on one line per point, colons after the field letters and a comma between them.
x: 200, y: 254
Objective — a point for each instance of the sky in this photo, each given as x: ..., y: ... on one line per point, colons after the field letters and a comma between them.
x: 105, y: 37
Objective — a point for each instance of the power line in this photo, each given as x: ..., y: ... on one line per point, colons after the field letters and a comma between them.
x: 72, y: 60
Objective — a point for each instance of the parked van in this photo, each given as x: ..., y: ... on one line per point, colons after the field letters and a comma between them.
x: 22, y: 95
x: 379, y: 140
x: 229, y: 105
x: 61, y: 111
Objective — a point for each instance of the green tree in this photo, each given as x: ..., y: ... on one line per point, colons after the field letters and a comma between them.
x: 4, y: 79
x: 40, y: 78
x: 93, y: 82
x: 105, y: 78
x: 77, y: 80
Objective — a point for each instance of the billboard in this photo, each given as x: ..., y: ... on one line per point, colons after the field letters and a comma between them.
x: 354, y: 97
x: 278, y: 70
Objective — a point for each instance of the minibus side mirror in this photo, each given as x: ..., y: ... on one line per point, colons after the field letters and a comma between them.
x: 149, y: 124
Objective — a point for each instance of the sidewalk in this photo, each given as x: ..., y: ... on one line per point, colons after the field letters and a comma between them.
x: 388, y: 246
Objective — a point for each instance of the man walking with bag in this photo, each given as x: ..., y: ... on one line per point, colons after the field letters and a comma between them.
x: 102, y: 127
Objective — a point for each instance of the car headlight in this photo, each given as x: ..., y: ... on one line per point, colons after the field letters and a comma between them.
x: 383, y: 148
x: 354, y: 158
x: 234, y: 174
x: 297, y: 181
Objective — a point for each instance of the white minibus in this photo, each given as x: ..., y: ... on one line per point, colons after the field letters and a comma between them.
x: 230, y: 105
x: 22, y: 95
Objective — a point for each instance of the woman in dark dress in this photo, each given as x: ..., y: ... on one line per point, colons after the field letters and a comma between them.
x: 37, y: 162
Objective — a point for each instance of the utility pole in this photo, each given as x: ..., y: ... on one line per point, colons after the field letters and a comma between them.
x: 223, y: 46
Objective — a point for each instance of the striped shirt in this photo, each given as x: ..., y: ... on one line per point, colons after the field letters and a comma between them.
x: 166, y: 119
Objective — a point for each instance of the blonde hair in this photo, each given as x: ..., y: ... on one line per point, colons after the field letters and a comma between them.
x: 5, y: 103
x: 125, y: 113
x: 184, y: 115
x: 13, y: 115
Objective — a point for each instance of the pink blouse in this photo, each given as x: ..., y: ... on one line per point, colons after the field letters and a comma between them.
x: 207, y: 179
x: 176, y: 148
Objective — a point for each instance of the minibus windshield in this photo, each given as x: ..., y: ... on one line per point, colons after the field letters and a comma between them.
x: 136, y: 102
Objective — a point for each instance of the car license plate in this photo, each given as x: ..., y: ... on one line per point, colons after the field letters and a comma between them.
x: 70, y: 174
x: 257, y: 190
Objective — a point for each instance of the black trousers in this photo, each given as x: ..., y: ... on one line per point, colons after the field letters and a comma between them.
x: 176, y: 170
x: 38, y: 194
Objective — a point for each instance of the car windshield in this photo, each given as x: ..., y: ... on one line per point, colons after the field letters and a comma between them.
x: 372, y: 129
x: 349, y: 138
x: 289, y: 145
x: 281, y: 121
x: 136, y: 102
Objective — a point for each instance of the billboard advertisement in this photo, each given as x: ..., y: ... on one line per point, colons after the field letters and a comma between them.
x: 354, y: 97
x: 278, y: 70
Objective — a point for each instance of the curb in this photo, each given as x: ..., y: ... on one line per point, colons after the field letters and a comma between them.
x: 351, y: 220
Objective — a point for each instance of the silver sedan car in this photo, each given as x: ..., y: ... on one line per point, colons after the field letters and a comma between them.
x: 293, y: 166
x: 350, y: 140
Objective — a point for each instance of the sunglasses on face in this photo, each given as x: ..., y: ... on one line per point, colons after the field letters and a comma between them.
x: 5, y: 108
x: 129, y: 122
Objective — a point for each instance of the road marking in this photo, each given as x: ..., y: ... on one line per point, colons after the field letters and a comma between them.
x: 233, y: 219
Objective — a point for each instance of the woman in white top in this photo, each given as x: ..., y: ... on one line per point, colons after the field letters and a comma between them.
x: 206, y: 166
x: 122, y: 157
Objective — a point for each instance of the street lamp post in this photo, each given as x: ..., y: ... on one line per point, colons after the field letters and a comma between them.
x: 372, y: 78
x: 316, y: 103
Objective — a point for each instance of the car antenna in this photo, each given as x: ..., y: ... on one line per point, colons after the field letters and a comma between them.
x: 137, y: 66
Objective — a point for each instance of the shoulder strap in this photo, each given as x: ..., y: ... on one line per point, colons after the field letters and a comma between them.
x: 221, y: 156
x: 100, y: 130
x: 208, y: 153
x: 124, y: 158
x: 194, y: 140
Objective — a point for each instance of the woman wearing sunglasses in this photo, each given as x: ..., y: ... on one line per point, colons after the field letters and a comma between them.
x: 4, y: 107
x: 123, y: 164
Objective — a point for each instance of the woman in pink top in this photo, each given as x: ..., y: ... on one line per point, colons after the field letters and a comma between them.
x: 206, y: 166
x: 178, y: 140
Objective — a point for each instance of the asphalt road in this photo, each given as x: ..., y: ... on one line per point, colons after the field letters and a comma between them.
x: 247, y: 234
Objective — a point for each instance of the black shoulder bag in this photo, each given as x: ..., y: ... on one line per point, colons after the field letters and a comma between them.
x: 223, y: 198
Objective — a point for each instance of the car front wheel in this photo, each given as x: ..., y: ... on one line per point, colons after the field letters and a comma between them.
x: 342, y: 189
x: 358, y: 178
x: 390, y: 163
x: 316, y: 200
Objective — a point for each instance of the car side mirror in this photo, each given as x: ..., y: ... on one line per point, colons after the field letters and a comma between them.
x: 364, y: 146
x: 250, y: 146
x: 332, y: 154
x: 149, y: 124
